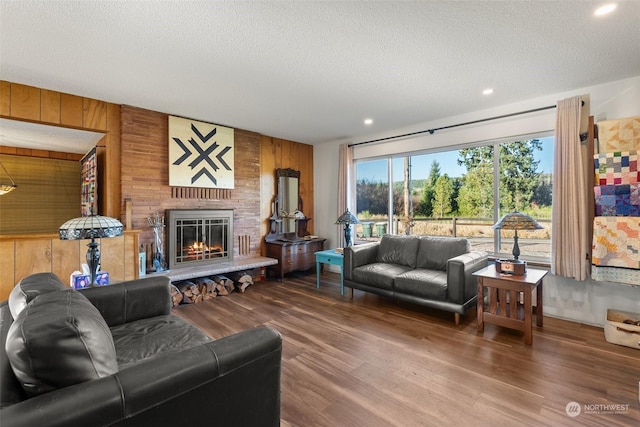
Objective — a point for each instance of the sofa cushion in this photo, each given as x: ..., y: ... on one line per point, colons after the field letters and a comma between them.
x: 58, y: 340
x: 378, y: 274
x: 429, y: 284
x: 434, y: 252
x: 30, y: 287
x: 398, y: 249
x: 146, y: 338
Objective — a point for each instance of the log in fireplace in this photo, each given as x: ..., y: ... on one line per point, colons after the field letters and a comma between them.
x: 199, y: 236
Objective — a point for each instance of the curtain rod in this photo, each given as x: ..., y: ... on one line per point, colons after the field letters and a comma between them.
x: 432, y: 131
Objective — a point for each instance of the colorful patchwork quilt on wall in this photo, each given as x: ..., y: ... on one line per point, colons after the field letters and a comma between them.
x: 616, y: 168
x: 613, y: 274
x: 616, y: 241
x: 617, y: 200
x: 619, y: 135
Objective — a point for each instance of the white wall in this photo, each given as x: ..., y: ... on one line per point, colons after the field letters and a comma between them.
x: 585, y: 302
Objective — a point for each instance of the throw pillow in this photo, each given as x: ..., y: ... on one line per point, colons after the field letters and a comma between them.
x: 59, y: 339
x: 30, y: 287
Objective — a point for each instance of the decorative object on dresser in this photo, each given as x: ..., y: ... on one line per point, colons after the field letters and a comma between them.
x: 515, y: 221
x: 91, y: 227
x: 346, y: 219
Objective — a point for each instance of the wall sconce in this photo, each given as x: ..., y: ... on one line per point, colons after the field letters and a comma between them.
x: 347, y: 218
x: 7, y: 188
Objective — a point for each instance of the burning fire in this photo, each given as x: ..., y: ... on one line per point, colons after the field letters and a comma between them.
x: 200, y: 247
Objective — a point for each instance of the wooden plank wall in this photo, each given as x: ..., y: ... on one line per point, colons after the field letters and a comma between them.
x: 32, y: 104
x: 22, y: 255
x: 145, y: 178
x: 278, y: 153
x: 145, y: 161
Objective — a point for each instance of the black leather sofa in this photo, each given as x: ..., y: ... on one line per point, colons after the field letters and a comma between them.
x: 116, y: 356
x: 430, y: 271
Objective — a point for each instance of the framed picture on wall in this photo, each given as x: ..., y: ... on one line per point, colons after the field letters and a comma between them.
x: 89, y: 177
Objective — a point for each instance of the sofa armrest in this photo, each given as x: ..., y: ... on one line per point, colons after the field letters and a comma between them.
x: 131, y: 300
x: 461, y: 284
x: 232, y: 381
x: 356, y: 256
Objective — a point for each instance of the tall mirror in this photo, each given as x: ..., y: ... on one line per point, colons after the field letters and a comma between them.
x: 288, y: 222
x: 288, y: 198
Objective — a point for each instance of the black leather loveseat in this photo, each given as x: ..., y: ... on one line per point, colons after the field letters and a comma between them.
x: 115, y: 355
x: 431, y: 271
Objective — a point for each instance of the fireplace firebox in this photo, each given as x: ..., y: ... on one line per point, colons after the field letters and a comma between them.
x: 199, y: 236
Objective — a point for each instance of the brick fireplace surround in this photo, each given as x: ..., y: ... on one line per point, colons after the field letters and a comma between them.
x: 145, y: 177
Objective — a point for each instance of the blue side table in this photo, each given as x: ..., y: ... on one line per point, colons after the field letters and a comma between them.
x: 330, y: 257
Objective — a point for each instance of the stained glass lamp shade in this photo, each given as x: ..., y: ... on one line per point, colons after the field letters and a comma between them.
x: 516, y: 221
x: 346, y: 219
x: 91, y: 227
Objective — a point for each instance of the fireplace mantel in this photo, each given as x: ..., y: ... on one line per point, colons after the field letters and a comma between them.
x: 240, y: 264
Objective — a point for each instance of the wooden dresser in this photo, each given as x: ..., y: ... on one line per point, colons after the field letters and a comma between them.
x: 297, y: 255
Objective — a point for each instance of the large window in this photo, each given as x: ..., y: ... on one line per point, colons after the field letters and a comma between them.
x: 461, y: 192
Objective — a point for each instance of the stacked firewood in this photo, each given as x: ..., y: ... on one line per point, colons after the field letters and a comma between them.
x: 205, y: 288
x: 242, y: 279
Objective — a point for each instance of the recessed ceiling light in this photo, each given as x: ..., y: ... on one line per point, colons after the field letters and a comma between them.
x: 605, y: 9
x: 487, y: 91
x: 368, y: 121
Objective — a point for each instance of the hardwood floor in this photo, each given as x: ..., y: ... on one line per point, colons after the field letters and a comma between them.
x: 369, y: 361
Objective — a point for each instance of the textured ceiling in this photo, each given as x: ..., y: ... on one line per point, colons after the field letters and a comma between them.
x: 313, y: 71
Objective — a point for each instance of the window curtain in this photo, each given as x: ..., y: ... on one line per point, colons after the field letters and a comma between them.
x: 569, y: 244
x: 346, y: 187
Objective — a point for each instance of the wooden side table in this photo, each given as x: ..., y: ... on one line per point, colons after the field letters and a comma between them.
x: 330, y: 257
x: 505, y: 291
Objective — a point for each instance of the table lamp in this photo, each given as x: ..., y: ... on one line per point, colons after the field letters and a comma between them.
x: 347, y: 218
x: 91, y: 227
x: 514, y: 221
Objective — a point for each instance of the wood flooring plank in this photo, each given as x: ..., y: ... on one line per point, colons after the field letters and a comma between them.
x: 371, y: 361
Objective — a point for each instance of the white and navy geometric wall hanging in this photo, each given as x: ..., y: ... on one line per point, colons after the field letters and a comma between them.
x: 200, y: 154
